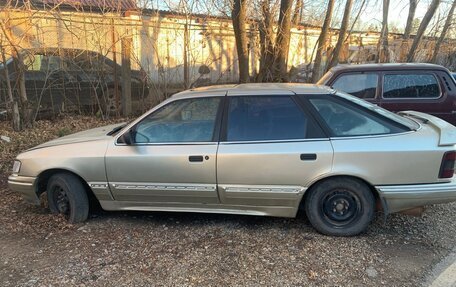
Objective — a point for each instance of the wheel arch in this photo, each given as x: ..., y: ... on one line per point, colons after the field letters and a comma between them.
x: 44, y: 176
x: 379, y: 204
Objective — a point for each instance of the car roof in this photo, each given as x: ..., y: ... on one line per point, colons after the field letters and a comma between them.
x: 257, y: 89
x: 387, y: 67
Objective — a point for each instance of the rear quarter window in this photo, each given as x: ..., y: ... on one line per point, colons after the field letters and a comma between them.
x: 410, y: 86
x: 346, y: 119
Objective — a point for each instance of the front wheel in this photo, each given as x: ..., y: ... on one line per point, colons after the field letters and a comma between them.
x: 66, y: 195
x: 340, y: 206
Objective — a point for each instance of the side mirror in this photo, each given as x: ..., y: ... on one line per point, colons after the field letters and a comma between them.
x: 127, y: 138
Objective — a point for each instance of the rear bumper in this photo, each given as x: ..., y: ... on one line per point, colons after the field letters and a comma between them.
x: 402, y: 197
x: 25, y: 185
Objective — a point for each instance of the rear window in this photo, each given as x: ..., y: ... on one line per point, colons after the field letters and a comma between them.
x: 258, y: 118
x: 410, y: 86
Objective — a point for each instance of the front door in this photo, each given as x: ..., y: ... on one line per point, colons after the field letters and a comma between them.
x: 173, y: 155
x: 271, y: 151
x: 363, y: 85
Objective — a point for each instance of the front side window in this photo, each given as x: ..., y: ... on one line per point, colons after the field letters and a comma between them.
x: 347, y: 120
x: 363, y: 86
x: 413, y: 86
x: 259, y: 118
x: 188, y: 120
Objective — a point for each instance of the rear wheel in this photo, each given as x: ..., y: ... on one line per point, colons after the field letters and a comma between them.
x: 67, y: 196
x: 340, y: 206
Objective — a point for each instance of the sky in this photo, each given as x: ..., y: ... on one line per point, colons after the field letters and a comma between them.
x: 399, y: 11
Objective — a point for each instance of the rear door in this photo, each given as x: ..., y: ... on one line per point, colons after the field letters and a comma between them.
x: 270, y: 150
x: 414, y: 90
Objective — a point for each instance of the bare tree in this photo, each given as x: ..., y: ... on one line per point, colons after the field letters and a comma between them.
x: 297, y: 15
x: 383, y: 52
x: 411, y: 16
x: 266, y: 43
x: 12, y: 101
x: 424, y: 23
x: 238, y: 17
x: 15, y: 45
x: 316, y: 71
x: 446, y: 26
x: 282, y: 45
x: 341, y: 39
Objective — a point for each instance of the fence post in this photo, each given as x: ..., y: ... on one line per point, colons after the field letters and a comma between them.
x: 126, y: 76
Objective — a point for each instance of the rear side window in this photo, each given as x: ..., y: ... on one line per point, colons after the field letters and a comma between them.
x: 363, y: 86
x: 259, y: 118
x: 349, y: 120
x: 410, y: 86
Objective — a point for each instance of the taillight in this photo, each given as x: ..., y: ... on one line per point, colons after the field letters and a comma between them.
x: 447, y: 167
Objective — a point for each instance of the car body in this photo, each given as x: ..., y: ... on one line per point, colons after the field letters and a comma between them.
x: 454, y: 76
x: 425, y: 88
x: 254, y: 149
x: 59, y: 79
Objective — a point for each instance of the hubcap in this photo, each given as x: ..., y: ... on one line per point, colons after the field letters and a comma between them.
x: 340, y: 207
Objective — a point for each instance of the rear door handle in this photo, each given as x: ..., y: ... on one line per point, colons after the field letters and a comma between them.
x: 195, y: 158
x: 308, y: 156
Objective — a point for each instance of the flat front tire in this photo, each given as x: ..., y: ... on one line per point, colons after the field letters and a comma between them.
x: 66, y: 195
x: 340, y: 206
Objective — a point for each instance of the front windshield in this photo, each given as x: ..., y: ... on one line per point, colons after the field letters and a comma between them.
x: 390, y: 115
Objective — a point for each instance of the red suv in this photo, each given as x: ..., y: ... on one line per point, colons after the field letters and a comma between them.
x: 426, y: 88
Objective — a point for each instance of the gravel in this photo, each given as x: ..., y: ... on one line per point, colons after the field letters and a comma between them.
x: 158, y: 248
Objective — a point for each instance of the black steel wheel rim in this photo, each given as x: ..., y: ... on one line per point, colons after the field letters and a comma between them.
x: 340, y: 207
x: 61, y: 201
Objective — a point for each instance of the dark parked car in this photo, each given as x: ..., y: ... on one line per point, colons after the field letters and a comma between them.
x: 420, y: 87
x: 454, y: 75
x: 58, y: 79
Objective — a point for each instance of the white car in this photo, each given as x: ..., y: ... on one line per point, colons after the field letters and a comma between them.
x: 255, y: 149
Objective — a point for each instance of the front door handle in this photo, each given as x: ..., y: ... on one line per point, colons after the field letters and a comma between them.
x: 195, y: 158
x: 308, y: 156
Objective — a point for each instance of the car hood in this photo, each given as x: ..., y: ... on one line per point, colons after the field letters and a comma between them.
x: 84, y: 136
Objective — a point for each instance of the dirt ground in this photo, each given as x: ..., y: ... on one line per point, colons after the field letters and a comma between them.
x: 148, y: 249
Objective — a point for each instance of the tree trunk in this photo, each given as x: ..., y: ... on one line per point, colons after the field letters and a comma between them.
x: 411, y: 16
x: 297, y: 16
x: 383, y: 52
x: 316, y: 73
x: 25, y: 111
x: 341, y: 39
x: 238, y: 17
x: 25, y: 117
x: 439, y: 42
x: 424, y: 23
x: 126, y: 77
x: 16, y: 117
x: 266, y: 44
x: 282, y: 45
